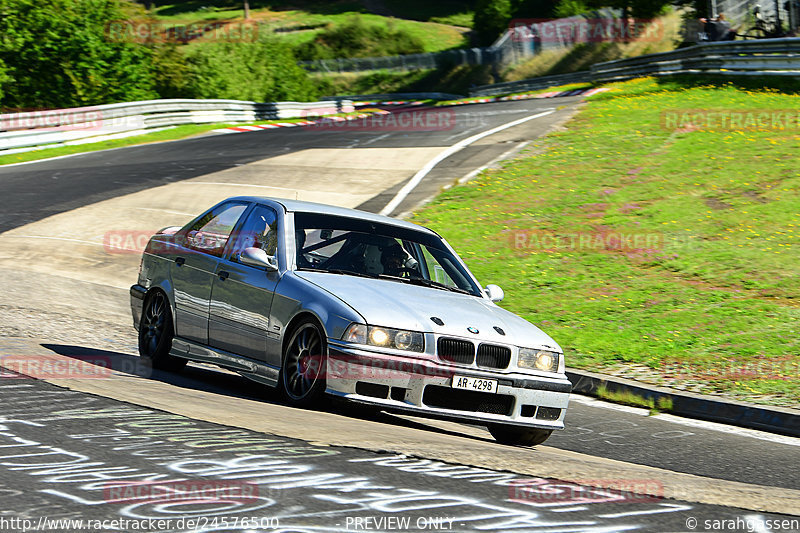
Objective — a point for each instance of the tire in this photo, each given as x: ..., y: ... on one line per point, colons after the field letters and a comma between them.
x: 156, y: 332
x: 302, y: 379
x: 519, y: 436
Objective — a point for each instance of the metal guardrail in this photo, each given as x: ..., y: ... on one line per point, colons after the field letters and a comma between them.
x: 531, y: 84
x: 776, y: 57
x: 760, y: 57
x: 36, y: 128
x: 396, y: 96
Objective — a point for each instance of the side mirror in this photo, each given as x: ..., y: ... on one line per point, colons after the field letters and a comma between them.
x: 494, y: 293
x: 258, y: 258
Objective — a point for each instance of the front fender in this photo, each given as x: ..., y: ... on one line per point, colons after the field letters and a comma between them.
x: 295, y: 296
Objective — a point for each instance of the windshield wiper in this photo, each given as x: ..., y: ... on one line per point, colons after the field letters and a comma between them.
x: 394, y: 278
x: 426, y: 283
x: 431, y: 283
x: 336, y: 271
x: 413, y: 281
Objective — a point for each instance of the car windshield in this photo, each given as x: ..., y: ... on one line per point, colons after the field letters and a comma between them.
x: 356, y: 247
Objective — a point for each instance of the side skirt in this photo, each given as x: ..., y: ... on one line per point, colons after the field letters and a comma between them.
x: 249, y: 368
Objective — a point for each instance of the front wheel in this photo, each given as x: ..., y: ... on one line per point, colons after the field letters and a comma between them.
x: 156, y: 332
x: 519, y: 436
x: 302, y: 379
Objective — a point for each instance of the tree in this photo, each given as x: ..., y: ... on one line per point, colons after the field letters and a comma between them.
x: 4, y: 78
x: 357, y: 38
x: 59, y: 54
x: 263, y: 71
x: 491, y: 19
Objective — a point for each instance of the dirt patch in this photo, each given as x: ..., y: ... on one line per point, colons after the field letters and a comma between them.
x: 627, y: 208
x: 755, y: 196
x: 717, y: 204
x: 597, y: 210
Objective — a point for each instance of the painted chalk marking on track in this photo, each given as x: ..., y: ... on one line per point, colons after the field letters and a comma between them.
x: 418, y: 177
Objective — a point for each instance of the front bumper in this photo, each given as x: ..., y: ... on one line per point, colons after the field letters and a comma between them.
x: 424, y: 387
x: 137, y: 293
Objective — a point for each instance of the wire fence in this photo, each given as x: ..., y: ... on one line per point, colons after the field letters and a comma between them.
x: 740, y: 12
x: 525, y: 38
x: 447, y: 58
x: 765, y: 57
x: 751, y: 19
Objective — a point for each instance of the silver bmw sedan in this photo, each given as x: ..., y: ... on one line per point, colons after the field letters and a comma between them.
x: 315, y: 299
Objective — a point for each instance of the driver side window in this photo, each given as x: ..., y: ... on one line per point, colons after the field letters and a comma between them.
x: 260, y: 230
x: 210, y: 233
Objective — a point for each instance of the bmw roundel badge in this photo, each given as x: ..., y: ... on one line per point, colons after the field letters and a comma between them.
x: 473, y: 330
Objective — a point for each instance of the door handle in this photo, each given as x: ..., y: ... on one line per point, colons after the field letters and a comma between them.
x: 180, y: 261
x: 223, y: 275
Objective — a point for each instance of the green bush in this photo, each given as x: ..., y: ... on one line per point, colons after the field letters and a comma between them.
x: 570, y: 8
x: 355, y: 38
x: 4, y: 78
x: 172, y: 74
x: 58, y: 54
x: 65, y: 53
x: 263, y: 71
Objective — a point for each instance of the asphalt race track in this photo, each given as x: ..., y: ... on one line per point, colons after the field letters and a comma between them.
x: 90, y: 449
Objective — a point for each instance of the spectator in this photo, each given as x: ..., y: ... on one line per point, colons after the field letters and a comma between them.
x: 718, y: 29
x: 723, y: 27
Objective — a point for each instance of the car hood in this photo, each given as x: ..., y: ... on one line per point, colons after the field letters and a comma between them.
x: 404, y: 306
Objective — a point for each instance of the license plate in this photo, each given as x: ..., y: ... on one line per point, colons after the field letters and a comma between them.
x: 478, y: 384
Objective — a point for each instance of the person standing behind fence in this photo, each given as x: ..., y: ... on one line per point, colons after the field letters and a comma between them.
x: 724, y: 31
x: 718, y: 29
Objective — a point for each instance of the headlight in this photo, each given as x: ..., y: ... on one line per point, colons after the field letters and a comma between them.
x: 386, y: 337
x: 356, y: 333
x: 538, y: 360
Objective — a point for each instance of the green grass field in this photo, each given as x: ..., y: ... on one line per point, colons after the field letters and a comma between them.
x: 452, y: 12
x: 301, y: 22
x: 702, y: 290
